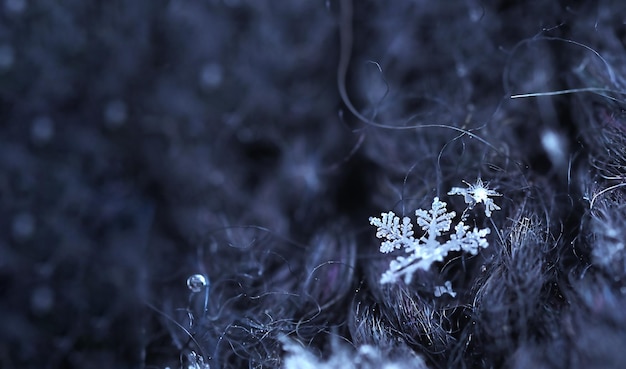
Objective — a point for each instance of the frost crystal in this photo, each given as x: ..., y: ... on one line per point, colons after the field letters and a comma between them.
x: 422, y: 252
x: 196, y: 361
x: 446, y: 288
x: 366, y: 357
x: 475, y: 193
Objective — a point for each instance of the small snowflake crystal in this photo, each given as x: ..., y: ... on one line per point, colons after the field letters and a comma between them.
x: 445, y: 289
x: 196, y: 361
x: 475, y: 193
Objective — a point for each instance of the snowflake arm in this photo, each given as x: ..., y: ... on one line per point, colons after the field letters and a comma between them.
x: 446, y: 288
x: 396, y: 235
x: 437, y: 220
x: 468, y: 241
x: 478, y: 192
x: 401, y: 266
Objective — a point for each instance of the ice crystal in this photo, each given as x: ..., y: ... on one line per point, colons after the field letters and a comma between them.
x: 436, y: 240
x: 445, y: 289
x: 476, y: 193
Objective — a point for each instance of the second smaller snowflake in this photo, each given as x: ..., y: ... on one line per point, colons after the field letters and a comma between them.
x: 477, y: 192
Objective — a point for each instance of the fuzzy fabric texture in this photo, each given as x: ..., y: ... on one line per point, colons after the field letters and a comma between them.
x: 187, y: 184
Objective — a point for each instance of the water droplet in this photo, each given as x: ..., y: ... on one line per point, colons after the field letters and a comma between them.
x: 196, y: 282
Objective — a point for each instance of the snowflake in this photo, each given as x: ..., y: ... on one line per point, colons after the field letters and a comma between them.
x: 427, y: 249
x: 446, y: 288
x: 196, y: 361
x: 475, y: 193
x: 365, y: 357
